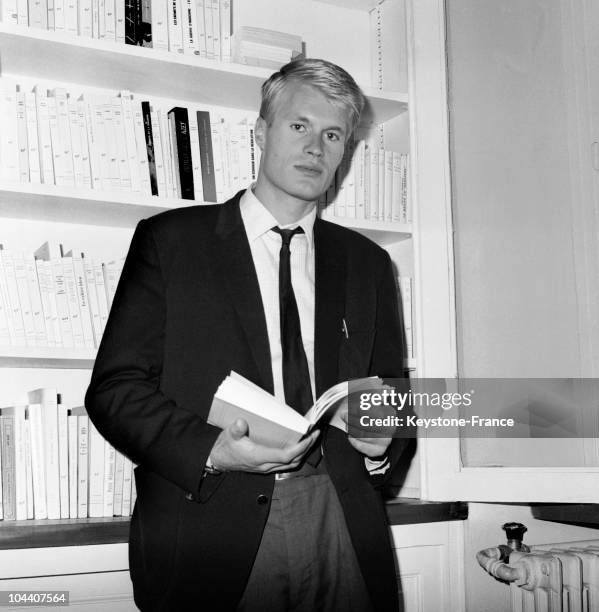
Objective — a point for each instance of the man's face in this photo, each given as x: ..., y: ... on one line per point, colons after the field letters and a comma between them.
x: 301, y: 147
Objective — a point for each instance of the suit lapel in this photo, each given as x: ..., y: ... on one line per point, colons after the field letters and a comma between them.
x: 238, y: 274
x: 329, y: 307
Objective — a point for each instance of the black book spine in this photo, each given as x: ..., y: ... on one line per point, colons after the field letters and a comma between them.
x: 130, y: 23
x: 145, y: 109
x: 145, y: 33
x: 179, y: 121
x: 206, y: 156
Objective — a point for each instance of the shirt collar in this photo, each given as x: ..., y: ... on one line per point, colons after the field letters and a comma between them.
x: 258, y: 220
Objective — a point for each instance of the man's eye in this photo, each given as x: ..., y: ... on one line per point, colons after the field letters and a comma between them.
x: 298, y: 127
x: 333, y: 136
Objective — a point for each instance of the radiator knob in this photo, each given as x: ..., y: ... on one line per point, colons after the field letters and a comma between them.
x: 515, y: 534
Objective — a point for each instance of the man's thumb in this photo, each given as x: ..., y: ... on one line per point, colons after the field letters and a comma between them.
x: 238, y: 429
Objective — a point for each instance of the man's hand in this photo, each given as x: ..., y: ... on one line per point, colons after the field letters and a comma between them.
x: 371, y: 447
x: 234, y: 451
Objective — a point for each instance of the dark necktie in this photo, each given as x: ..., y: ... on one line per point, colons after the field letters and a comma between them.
x: 296, y: 376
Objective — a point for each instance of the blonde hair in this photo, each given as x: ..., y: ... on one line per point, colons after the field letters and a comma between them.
x: 337, y: 85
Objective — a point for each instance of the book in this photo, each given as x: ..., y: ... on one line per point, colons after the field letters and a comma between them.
x: 48, y: 400
x: 73, y: 454
x: 271, y: 422
x: 206, y: 156
x: 179, y: 126
x: 38, y: 465
x: 96, y: 464
x: 149, y: 138
x: 63, y: 457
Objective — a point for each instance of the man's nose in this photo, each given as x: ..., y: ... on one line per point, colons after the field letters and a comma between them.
x: 314, y: 146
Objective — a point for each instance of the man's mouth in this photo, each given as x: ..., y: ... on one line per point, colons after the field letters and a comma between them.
x: 309, y: 170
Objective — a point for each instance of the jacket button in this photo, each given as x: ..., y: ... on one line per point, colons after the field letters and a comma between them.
x: 262, y: 499
x: 189, y: 496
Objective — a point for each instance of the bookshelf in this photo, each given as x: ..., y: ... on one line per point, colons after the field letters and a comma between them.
x: 96, y: 216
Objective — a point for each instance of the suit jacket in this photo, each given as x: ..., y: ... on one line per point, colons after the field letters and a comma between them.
x: 187, y: 311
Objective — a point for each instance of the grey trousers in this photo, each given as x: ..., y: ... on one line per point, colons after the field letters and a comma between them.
x: 306, y: 561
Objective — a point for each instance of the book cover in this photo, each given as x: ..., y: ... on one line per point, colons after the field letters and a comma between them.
x: 96, y: 452
x: 22, y: 140
x: 179, y: 123
x: 8, y: 469
x: 38, y: 463
x: 206, y: 156
x: 149, y: 138
x: 63, y: 457
x: 73, y: 451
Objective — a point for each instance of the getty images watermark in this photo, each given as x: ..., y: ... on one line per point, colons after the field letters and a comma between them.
x: 477, y: 407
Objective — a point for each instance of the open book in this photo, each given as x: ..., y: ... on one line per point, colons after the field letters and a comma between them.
x: 272, y: 422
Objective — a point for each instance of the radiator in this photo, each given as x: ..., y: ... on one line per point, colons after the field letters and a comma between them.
x: 560, y: 578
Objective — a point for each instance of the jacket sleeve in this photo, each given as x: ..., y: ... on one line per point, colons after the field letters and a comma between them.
x: 124, y: 399
x: 388, y: 355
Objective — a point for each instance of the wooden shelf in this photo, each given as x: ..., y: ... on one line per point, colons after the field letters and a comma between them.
x: 46, y: 357
x: 380, y: 231
x: 58, y: 56
x: 64, y: 532
x: 80, y: 532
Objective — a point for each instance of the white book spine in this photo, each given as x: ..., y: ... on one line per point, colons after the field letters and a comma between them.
x: 48, y: 292
x: 73, y: 302
x: 32, y: 139
x: 380, y: 214
x: 103, y: 303
x: 84, y: 302
x: 131, y: 147
x: 22, y: 12
x: 92, y: 295
x: 396, y: 188
x: 8, y: 11
x: 15, y: 315
x: 168, y: 153
x: 218, y: 153
x: 190, y: 32
x: 71, y: 17
x: 118, y: 484
x: 63, y: 459
x: 37, y: 311
x: 96, y: 18
x: 20, y: 463
x: 49, y: 408
x: 85, y: 18
x: 5, y: 329
x: 76, y: 147
x: 121, y: 146
x: 51, y: 15
x: 57, y: 146
x: 406, y: 213
x: 109, y: 20
x: 109, y: 464
x: 119, y: 14
x: 96, y: 472
x: 199, y: 6
x: 225, y: 30
x: 114, y: 180
x: 59, y: 17
x: 159, y: 155
x: 62, y: 303
x: 82, y: 465
x: 96, y: 163
x: 28, y: 467
x: 160, y: 24
x: 9, y: 146
x: 388, y: 201
x: 208, y: 27
x: 215, y: 12
x: 6, y: 471
x: 44, y: 136
x: 25, y: 302
x: 405, y: 283
x: 133, y: 491
x: 127, y: 476
x: 38, y: 14
x: 86, y: 168
x: 73, y: 437
x: 360, y: 178
x: 175, y: 28
x: 350, y: 183
x: 62, y: 112
x: 38, y: 464
x: 373, y: 199
x: 22, y: 139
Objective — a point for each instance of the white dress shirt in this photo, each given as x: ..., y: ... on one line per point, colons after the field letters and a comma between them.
x: 265, y: 246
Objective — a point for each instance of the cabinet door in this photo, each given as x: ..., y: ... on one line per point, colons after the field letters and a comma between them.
x: 520, y: 117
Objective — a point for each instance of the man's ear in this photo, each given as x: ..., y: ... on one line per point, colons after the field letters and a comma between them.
x: 260, y: 133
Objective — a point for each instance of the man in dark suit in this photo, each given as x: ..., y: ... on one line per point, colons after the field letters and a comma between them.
x: 220, y: 521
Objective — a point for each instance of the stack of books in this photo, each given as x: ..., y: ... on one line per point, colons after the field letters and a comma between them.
x: 265, y: 48
x: 55, y: 464
x: 53, y: 298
